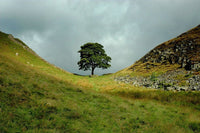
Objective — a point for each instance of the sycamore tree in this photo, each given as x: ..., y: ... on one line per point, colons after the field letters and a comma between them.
x: 92, y: 55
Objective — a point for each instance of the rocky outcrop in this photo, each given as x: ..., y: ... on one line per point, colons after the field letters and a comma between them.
x: 194, y: 83
x: 183, y: 50
x: 181, y: 55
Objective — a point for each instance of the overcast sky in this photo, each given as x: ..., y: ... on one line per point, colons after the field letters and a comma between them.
x: 128, y: 29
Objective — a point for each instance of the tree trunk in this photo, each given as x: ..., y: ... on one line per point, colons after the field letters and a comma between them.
x: 92, y: 73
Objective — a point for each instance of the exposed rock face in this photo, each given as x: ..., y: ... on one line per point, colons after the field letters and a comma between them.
x: 176, y: 52
x: 183, y: 51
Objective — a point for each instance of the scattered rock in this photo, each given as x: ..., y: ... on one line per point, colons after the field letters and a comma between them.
x: 165, y: 81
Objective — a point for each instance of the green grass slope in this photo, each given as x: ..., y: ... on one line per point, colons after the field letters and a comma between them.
x: 36, y: 96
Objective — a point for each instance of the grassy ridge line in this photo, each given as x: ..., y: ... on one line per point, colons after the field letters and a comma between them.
x: 9, y: 48
x: 28, y: 56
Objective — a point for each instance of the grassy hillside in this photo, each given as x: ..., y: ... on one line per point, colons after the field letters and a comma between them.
x: 36, y: 96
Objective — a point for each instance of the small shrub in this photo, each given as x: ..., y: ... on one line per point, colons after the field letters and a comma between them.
x: 188, y: 75
x: 153, y: 77
x: 195, y: 127
x: 137, y: 94
x: 1, y: 80
x: 74, y: 115
x: 43, y: 111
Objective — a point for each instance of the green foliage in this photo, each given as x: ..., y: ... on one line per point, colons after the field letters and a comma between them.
x: 93, y: 56
x: 195, y: 127
x: 153, y: 77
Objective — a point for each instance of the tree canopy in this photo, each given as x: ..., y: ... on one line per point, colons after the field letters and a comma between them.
x: 92, y: 55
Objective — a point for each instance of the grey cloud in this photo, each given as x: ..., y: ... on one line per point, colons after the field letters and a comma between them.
x: 128, y: 29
